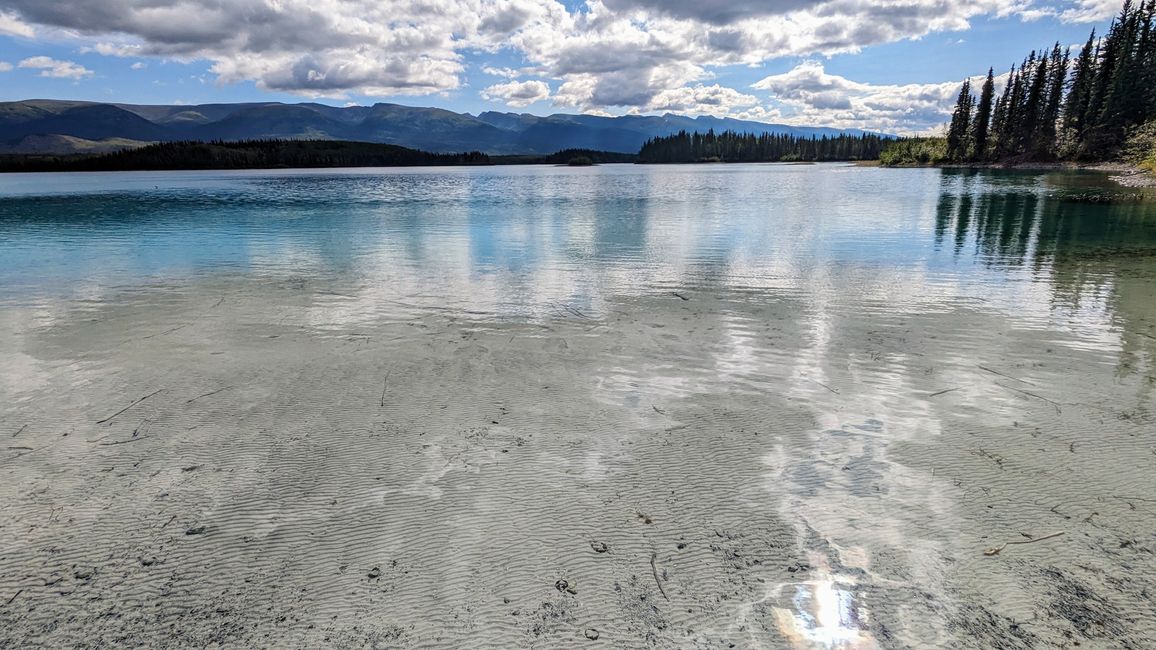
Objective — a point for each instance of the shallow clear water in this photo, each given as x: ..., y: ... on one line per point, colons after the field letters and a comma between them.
x: 931, y: 358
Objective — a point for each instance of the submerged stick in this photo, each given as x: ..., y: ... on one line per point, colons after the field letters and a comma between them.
x: 679, y: 295
x: 123, y: 442
x: 996, y: 372
x: 219, y: 390
x: 18, y: 592
x: 1029, y: 394
x: 20, y: 431
x: 1114, y: 496
x: 168, y: 331
x: 574, y: 311
x: 942, y: 392
x: 826, y: 386
x: 654, y: 570
x: 384, y: 387
x: 996, y: 550
x: 109, y: 418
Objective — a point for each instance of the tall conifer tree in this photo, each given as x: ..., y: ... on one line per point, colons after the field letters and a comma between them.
x: 983, y: 118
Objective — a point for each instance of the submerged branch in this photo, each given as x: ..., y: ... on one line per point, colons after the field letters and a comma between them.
x: 109, y: 418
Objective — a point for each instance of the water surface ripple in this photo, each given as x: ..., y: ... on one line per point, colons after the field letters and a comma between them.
x: 753, y: 406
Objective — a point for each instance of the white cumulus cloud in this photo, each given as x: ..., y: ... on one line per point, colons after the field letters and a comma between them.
x: 518, y: 94
x: 50, y: 67
x: 807, y: 94
x: 698, y: 100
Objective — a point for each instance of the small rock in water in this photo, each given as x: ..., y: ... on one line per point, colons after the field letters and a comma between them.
x: 592, y: 634
x: 374, y: 573
x: 600, y: 547
x: 566, y: 586
x: 199, y: 530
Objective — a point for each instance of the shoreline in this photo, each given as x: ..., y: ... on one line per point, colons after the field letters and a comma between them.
x: 1122, y: 173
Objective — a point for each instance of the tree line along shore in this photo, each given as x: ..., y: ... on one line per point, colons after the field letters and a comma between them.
x: 1096, y: 105
x: 682, y: 147
x: 277, y: 154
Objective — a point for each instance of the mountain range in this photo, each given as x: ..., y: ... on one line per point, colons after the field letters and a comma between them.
x: 54, y: 126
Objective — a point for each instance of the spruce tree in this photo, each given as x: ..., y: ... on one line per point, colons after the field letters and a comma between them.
x: 1001, y: 127
x: 1058, y: 76
x: 1015, y: 107
x: 1080, y: 92
x: 983, y: 118
x: 957, y: 131
x: 1034, y: 104
x: 1095, y: 137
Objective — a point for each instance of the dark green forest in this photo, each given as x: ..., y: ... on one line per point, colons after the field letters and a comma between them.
x: 566, y: 156
x: 729, y: 146
x: 1098, y: 104
x: 274, y: 154
x: 248, y: 154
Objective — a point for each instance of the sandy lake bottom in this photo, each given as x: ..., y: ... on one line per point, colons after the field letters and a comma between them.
x: 752, y: 407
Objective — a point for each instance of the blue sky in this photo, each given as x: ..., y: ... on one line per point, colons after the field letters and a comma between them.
x: 893, y: 64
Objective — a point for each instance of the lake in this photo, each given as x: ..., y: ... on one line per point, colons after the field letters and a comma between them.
x: 702, y: 406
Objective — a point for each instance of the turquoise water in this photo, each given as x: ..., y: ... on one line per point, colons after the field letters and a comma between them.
x: 497, y: 239
x: 755, y: 406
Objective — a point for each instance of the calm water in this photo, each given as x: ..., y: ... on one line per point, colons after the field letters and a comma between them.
x: 690, y: 406
x: 503, y: 242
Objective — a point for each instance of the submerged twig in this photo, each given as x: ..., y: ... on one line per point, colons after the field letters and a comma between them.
x: 654, y: 571
x: 1115, y: 496
x: 574, y: 311
x: 109, y: 418
x: 20, y: 431
x: 384, y: 387
x: 14, y: 596
x: 168, y: 331
x: 942, y: 392
x: 996, y: 372
x: 679, y: 295
x: 995, y: 550
x: 219, y: 390
x: 826, y: 386
x: 1030, y: 394
x: 123, y: 442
